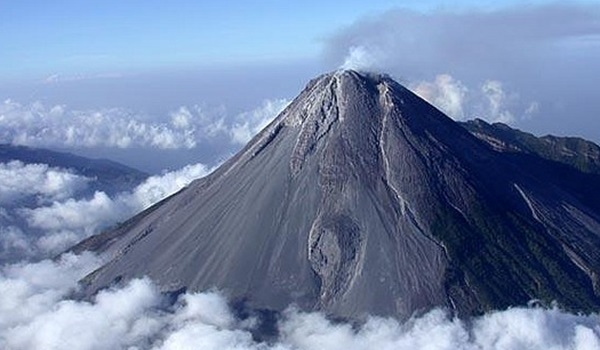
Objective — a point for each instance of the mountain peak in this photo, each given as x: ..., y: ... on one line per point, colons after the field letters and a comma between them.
x: 338, y: 93
x: 361, y: 198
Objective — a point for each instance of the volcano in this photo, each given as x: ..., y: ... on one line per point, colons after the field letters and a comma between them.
x: 361, y: 199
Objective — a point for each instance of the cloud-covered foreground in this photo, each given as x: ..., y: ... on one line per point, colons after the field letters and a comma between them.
x: 37, y: 313
x: 58, y: 126
x: 56, y: 220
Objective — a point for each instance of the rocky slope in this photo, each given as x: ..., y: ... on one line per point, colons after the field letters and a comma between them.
x: 574, y: 151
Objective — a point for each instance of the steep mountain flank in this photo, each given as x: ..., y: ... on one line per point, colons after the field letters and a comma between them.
x: 360, y: 198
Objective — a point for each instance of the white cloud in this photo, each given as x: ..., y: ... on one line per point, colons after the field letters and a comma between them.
x: 61, y: 78
x: 62, y: 223
x: 30, y: 185
x: 38, y: 125
x: 19, y: 180
x: 36, y: 313
x: 58, y: 126
x: 248, y: 124
x: 30, y: 289
x: 76, y: 219
x: 182, y: 118
x: 116, y: 319
x: 14, y: 244
x: 205, y: 320
x: 155, y: 188
x: 532, y: 109
x: 85, y: 214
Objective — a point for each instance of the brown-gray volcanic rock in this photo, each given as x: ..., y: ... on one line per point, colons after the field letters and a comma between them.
x: 360, y: 198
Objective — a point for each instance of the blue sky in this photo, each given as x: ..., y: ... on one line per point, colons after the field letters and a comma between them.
x: 40, y: 38
x: 137, y: 65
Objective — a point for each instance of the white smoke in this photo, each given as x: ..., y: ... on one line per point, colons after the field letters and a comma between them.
x: 490, y: 101
x: 360, y: 58
x: 36, y: 313
x: 497, y: 100
x: 446, y: 93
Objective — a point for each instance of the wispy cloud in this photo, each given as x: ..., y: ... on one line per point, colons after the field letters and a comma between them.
x: 360, y: 58
x: 490, y: 101
x: 62, y: 78
x: 444, y: 92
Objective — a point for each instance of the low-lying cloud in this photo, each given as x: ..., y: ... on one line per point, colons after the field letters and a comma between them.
x: 19, y: 180
x: 56, y: 220
x: 58, y: 126
x: 36, y: 312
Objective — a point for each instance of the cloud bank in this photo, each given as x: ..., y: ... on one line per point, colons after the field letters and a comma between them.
x: 19, y: 180
x: 37, y: 313
x: 56, y: 220
x: 58, y: 126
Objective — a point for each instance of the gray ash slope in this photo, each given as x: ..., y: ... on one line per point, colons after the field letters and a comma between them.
x: 360, y: 198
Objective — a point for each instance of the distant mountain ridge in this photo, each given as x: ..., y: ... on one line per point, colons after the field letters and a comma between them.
x: 579, y: 153
x: 53, y: 183
x: 361, y: 198
x: 111, y: 176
